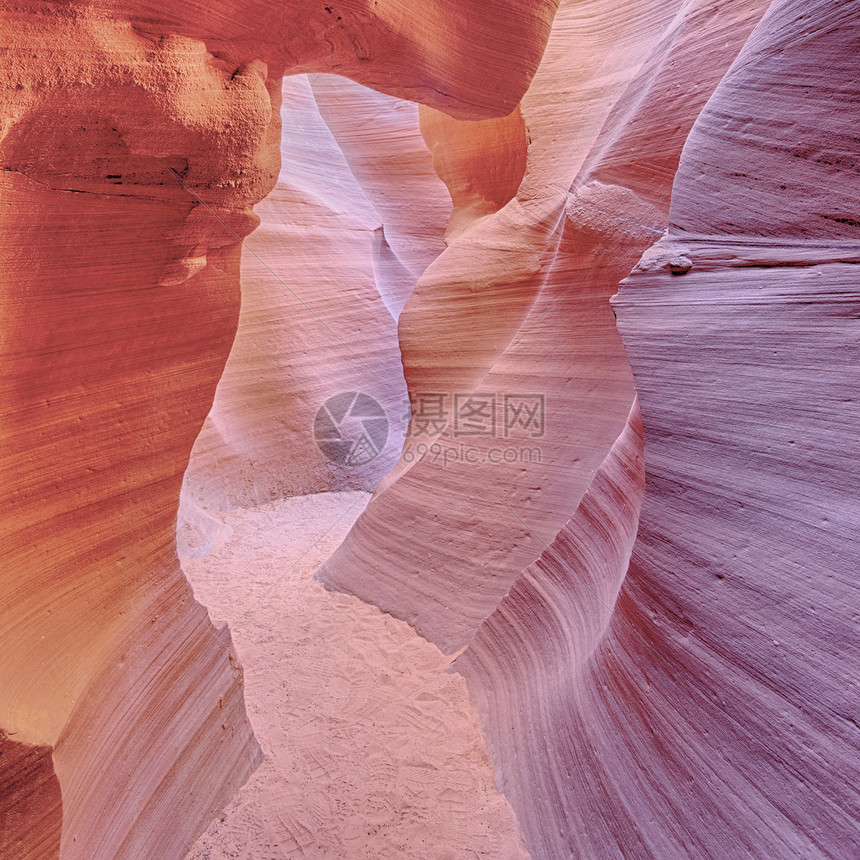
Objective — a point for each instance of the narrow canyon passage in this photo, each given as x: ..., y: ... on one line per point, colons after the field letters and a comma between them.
x: 372, y: 749
x: 572, y: 288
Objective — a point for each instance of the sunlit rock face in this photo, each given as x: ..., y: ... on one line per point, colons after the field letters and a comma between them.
x: 642, y: 533
x: 136, y: 138
x: 356, y: 216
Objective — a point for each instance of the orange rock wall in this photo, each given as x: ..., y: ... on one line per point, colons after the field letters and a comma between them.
x: 654, y: 609
x: 136, y: 138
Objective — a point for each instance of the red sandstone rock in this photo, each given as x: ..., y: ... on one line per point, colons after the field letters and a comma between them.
x: 135, y: 140
x: 695, y: 702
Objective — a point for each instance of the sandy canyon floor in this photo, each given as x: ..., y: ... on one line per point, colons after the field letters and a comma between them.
x: 372, y: 749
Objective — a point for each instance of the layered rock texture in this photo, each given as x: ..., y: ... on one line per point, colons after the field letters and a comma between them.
x: 641, y: 534
x: 135, y: 140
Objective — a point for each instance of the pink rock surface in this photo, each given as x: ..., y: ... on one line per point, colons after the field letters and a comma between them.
x: 136, y: 138
x: 382, y: 144
x: 518, y: 304
x: 743, y: 573
x: 529, y: 665
x: 661, y: 636
x: 313, y: 324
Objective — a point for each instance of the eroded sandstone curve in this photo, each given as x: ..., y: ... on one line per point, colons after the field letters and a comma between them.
x: 517, y: 309
x: 655, y: 611
x: 135, y: 140
x: 703, y: 712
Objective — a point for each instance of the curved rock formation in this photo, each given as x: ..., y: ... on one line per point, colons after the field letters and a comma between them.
x: 660, y: 635
x: 381, y: 142
x: 312, y: 325
x: 490, y: 314
x: 531, y: 660
x: 749, y: 543
x: 135, y: 140
x: 688, y: 705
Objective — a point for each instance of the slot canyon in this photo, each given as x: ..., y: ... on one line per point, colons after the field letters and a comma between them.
x: 430, y: 430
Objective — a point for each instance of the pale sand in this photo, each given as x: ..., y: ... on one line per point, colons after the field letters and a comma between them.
x: 372, y: 750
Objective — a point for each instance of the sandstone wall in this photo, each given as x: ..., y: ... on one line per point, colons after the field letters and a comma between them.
x: 135, y: 139
x: 654, y: 609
